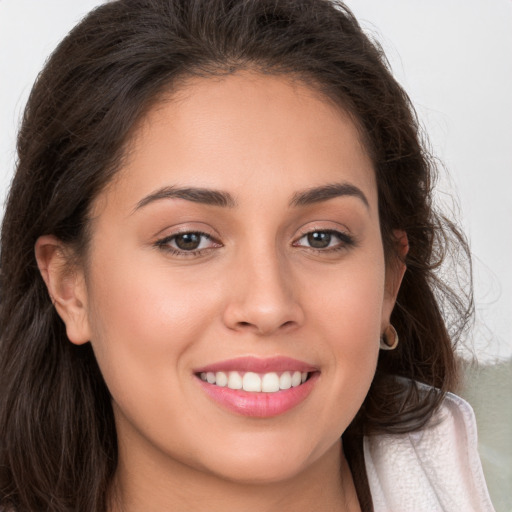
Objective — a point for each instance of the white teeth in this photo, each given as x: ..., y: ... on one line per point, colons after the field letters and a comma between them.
x: 296, y: 379
x: 285, y: 381
x: 234, y: 380
x: 267, y: 383
x: 270, y: 383
x: 221, y: 379
x: 251, y: 382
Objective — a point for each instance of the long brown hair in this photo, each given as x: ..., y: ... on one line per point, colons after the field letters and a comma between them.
x: 58, y: 447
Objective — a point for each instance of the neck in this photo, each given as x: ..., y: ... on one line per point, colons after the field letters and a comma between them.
x: 325, y: 485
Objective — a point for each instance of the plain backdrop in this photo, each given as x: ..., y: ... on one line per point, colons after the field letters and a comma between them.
x: 454, y: 58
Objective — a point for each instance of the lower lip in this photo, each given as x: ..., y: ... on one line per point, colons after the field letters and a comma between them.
x: 259, y: 405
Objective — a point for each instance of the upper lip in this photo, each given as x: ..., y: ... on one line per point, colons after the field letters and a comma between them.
x: 258, y: 365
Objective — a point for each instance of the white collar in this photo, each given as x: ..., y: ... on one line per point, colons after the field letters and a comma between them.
x: 436, y: 469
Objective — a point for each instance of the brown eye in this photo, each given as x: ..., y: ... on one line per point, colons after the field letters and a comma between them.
x: 326, y: 240
x: 319, y: 239
x: 188, y: 241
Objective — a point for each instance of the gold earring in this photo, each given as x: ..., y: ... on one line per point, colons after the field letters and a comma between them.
x: 389, y: 339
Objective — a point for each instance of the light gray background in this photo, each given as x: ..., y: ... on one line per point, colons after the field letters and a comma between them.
x: 454, y: 57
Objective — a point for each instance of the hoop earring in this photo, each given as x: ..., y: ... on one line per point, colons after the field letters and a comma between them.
x: 389, y: 339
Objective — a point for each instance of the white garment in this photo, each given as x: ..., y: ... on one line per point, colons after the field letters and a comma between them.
x: 436, y: 469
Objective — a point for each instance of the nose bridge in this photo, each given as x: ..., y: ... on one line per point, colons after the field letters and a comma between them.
x: 263, y: 297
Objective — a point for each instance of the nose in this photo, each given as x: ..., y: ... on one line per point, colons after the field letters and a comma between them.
x: 263, y: 295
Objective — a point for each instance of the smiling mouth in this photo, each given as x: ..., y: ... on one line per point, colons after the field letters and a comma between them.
x: 258, y: 387
x: 270, y: 382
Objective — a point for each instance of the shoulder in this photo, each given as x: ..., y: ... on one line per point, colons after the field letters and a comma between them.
x: 434, y: 469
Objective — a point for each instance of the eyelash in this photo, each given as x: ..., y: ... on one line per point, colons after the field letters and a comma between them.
x: 345, y: 241
x: 164, y: 244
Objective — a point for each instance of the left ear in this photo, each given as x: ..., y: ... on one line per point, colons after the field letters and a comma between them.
x: 395, y: 270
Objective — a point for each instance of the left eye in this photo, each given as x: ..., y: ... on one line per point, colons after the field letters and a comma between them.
x: 323, y: 240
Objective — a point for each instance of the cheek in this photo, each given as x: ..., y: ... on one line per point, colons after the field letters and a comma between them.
x: 349, y: 301
x: 349, y: 315
x: 142, y: 321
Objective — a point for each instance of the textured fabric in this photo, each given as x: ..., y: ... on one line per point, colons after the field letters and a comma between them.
x: 436, y: 469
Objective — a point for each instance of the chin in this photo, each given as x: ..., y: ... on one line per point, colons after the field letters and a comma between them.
x: 263, y: 462
x: 258, y: 472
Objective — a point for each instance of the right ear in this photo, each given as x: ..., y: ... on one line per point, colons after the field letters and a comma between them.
x: 66, y: 286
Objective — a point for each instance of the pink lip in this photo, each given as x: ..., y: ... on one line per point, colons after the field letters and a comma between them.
x: 259, y: 405
x: 258, y: 365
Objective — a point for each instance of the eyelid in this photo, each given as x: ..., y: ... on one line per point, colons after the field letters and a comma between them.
x: 164, y: 242
x: 168, y: 238
x: 346, y: 239
x: 324, y: 226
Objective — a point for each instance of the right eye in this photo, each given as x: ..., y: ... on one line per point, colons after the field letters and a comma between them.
x: 187, y: 243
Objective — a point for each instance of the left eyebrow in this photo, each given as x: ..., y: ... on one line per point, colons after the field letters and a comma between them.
x: 193, y: 194
x: 326, y: 192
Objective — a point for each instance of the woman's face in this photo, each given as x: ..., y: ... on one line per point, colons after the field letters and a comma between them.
x: 239, y: 242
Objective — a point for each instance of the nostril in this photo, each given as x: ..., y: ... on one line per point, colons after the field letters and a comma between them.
x: 289, y: 323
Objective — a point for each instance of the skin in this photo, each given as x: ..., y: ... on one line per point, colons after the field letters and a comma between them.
x: 256, y: 287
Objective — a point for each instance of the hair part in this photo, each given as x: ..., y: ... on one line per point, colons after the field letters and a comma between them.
x: 58, y: 447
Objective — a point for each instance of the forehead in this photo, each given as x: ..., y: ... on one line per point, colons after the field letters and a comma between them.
x: 244, y: 131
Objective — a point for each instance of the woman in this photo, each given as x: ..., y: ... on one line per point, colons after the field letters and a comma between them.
x: 220, y: 224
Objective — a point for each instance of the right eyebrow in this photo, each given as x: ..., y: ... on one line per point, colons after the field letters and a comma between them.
x: 196, y: 195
